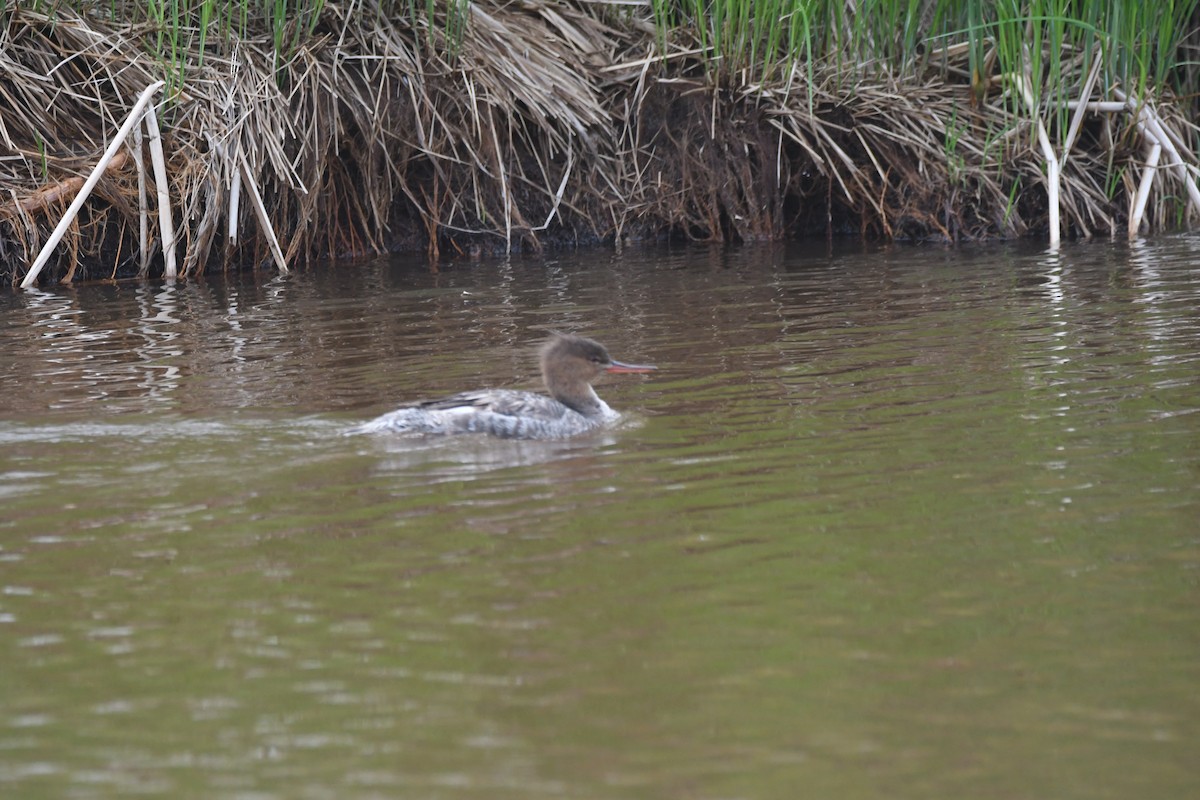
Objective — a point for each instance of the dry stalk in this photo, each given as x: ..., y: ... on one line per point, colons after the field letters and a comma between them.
x: 68, y: 218
x: 165, y: 224
x: 1053, y: 167
x: 264, y: 219
x: 1149, y: 170
x: 375, y: 133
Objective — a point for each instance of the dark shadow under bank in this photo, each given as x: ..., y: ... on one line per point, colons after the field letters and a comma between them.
x: 545, y: 128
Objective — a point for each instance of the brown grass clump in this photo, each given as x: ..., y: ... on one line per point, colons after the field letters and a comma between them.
x: 545, y: 123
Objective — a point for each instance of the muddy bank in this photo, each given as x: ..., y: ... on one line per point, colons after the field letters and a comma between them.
x: 539, y: 125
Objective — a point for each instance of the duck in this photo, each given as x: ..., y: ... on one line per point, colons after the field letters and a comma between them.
x: 569, y: 364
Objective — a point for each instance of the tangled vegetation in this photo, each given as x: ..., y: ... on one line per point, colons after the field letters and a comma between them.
x: 461, y: 126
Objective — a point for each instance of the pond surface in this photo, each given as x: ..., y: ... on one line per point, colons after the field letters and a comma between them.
x: 887, y: 523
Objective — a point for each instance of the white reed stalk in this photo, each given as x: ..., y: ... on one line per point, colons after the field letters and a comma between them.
x: 235, y: 206
x: 1077, y: 119
x: 561, y: 186
x: 654, y: 59
x: 260, y: 211
x: 1054, y: 178
x: 90, y: 184
x: 166, y: 226
x: 143, y: 206
x: 1143, y: 193
x: 1053, y: 169
x: 1108, y: 106
x: 1146, y: 116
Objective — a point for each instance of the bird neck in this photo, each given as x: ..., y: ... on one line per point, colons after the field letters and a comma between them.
x: 580, y: 397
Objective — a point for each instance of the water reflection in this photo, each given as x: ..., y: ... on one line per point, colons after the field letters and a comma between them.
x: 465, y: 457
x: 159, y: 329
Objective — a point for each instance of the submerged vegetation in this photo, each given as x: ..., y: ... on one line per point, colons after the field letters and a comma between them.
x: 462, y: 126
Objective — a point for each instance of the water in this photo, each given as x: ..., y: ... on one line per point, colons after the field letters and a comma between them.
x: 903, y: 523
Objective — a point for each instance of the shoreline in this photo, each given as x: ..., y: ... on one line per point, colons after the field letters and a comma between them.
x: 551, y: 126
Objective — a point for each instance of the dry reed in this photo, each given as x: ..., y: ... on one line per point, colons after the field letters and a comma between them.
x: 546, y: 123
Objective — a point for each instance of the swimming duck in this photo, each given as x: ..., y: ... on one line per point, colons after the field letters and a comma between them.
x: 569, y: 365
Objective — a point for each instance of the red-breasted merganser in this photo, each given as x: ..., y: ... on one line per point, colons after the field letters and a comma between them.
x: 569, y: 365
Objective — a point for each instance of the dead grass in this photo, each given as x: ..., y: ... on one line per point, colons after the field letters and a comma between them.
x: 546, y: 124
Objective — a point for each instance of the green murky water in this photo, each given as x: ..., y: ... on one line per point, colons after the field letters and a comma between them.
x: 902, y: 523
